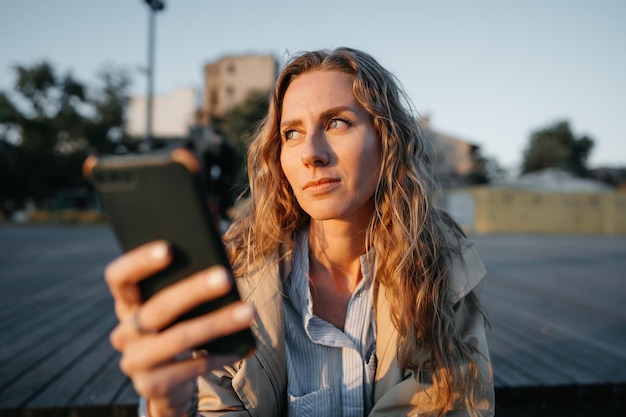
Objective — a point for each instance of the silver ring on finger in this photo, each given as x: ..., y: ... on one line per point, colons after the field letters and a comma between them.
x: 137, y: 325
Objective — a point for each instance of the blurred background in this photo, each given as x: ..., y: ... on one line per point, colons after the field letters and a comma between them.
x: 522, y: 104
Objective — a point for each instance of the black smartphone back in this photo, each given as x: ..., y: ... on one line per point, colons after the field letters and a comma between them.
x: 155, y: 196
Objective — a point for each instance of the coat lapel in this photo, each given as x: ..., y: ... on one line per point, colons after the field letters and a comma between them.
x: 267, y: 366
x: 467, y: 271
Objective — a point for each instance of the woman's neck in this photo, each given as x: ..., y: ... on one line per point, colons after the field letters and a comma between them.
x: 334, y: 253
x: 334, y: 268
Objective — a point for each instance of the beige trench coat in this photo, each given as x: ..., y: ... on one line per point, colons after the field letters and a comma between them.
x: 257, y: 386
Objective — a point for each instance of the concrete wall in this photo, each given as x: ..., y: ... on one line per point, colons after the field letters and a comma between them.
x: 513, y: 211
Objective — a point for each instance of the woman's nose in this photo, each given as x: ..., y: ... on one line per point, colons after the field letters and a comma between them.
x: 315, y: 151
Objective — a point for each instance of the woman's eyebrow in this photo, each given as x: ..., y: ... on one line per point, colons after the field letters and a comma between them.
x: 323, y: 115
x: 288, y: 123
x: 335, y: 110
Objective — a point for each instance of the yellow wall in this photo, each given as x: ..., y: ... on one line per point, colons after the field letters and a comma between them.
x: 504, y: 210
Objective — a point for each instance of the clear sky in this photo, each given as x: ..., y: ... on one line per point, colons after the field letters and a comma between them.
x: 488, y: 72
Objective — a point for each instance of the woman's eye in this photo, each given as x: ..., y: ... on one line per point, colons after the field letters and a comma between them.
x: 290, y: 134
x: 338, y: 123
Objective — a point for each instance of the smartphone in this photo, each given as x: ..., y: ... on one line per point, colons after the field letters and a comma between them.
x: 158, y: 195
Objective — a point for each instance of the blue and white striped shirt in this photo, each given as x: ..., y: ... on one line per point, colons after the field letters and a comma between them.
x: 330, y: 372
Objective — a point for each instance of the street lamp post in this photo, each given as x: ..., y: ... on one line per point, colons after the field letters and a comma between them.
x: 155, y: 6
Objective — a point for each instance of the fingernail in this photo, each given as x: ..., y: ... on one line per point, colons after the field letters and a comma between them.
x: 243, y: 313
x: 159, y: 251
x: 216, y: 280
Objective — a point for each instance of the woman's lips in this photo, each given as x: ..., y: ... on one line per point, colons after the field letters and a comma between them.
x: 320, y: 185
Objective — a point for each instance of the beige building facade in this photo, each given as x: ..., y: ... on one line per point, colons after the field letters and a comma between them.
x: 500, y: 210
x: 455, y: 160
x: 228, y: 81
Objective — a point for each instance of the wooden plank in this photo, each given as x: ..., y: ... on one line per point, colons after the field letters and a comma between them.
x: 51, y: 335
x: 21, y: 334
x: 128, y: 395
x: 559, y: 337
x: 109, y: 386
x: 71, y: 345
x: 69, y: 294
x: 559, y: 298
x: 79, y: 373
x: 508, y: 373
x: 543, y: 371
x: 73, y: 292
x: 549, y: 360
x: 579, y: 313
x: 26, y: 308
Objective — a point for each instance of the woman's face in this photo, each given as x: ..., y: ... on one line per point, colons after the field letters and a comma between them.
x: 330, y: 152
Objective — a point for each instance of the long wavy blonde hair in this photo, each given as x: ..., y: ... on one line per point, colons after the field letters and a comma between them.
x: 405, y: 227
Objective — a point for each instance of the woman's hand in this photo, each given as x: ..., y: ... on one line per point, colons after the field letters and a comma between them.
x: 159, y: 362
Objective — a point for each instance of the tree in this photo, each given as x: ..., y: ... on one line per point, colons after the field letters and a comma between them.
x: 11, y: 172
x: 556, y: 146
x: 236, y: 129
x: 48, y: 124
x: 240, y: 122
x: 39, y: 118
x: 486, y: 170
x: 107, y: 130
x: 43, y: 109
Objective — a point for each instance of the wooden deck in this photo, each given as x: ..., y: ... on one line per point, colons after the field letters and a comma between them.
x: 557, y: 306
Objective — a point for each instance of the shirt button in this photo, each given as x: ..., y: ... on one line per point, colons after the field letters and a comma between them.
x: 358, y: 293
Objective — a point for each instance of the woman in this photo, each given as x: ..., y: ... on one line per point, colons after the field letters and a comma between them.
x: 363, y: 291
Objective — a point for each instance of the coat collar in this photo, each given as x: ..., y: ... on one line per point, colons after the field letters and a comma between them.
x: 263, y: 288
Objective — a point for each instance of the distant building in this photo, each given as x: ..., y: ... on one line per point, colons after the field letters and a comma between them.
x: 456, y: 161
x: 172, y: 115
x: 554, y: 180
x: 613, y: 176
x: 228, y: 81
x: 181, y: 115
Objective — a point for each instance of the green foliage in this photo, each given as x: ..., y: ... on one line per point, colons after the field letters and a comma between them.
x: 486, y: 170
x: 237, y: 126
x: 241, y: 121
x: 35, y: 84
x: 556, y: 146
x: 50, y: 122
x: 12, y: 171
x: 106, y: 130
